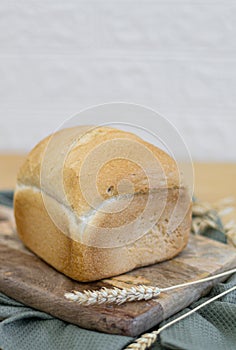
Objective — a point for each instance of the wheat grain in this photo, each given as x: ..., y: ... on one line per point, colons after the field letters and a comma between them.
x: 114, y: 295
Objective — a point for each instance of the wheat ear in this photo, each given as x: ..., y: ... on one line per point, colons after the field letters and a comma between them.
x: 135, y: 293
x: 114, y: 295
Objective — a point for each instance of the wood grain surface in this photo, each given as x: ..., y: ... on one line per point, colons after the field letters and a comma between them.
x: 26, y: 278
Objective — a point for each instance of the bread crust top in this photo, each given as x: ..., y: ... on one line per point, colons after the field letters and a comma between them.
x: 72, y: 164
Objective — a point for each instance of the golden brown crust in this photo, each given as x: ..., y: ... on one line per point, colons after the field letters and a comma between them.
x: 64, y: 250
x: 108, y: 176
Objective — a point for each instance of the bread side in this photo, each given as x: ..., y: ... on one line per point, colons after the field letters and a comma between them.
x: 87, y: 263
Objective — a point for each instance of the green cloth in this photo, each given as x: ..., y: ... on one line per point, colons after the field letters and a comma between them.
x: 211, y: 328
x: 6, y: 198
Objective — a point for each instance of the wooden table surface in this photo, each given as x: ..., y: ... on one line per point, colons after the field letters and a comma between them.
x: 213, y: 181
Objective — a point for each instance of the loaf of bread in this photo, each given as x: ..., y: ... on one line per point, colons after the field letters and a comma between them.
x: 95, y: 202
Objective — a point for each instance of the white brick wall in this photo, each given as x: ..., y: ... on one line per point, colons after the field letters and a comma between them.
x: 178, y: 57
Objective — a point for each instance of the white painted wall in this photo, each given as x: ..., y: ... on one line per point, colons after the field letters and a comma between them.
x: 178, y: 57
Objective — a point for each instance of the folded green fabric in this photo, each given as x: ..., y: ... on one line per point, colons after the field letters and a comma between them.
x: 211, y: 328
x: 25, y: 328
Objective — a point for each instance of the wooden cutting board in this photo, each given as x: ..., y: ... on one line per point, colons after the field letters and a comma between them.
x: 26, y: 278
